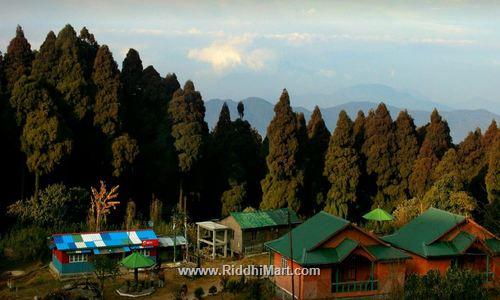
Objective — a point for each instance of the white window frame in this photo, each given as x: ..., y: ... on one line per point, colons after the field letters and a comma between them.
x: 284, y: 262
x: 78, y: 258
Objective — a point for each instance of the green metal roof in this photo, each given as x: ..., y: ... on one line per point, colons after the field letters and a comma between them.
x: 493, y: 244
x: 424, y: 230
x: 267, y: 218
x: 449, y: 248
x: 315, y: 231
x: 382, y: 252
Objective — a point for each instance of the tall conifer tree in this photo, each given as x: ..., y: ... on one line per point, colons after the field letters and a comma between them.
x: 437, y: 141
x: 45, y: 63
x: 45, y: 142
x: 283, y: 185
x: 342, y: 169
x: 18, y: 59
x: 106, y: 78
x: 490, y: 135
x: 472, y: 157
x: 189, y: 130
x: 316, y: 182
x: 379, y: 148
x: 71, y: 81
x: 407, y: 151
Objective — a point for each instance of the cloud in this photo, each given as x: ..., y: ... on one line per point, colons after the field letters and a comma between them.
x: 329, y: 73
x: 233, y: 52
x: 443, y: 41
x: 295, y: 38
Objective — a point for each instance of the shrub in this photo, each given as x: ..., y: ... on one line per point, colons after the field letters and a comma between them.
x: 26, y: 244
x: 456, y: 284
x: 199, y: 292
x: 212, y: 290
x: 56, y: 206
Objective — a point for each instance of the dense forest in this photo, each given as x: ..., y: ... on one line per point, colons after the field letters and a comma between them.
x: 70, y: 117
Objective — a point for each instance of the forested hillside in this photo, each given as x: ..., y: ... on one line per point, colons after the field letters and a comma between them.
x: 71, y: 117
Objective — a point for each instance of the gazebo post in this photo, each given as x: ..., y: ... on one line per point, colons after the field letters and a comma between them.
x: 198, y: 237
x: 225, y: 242
x: 214, y: 242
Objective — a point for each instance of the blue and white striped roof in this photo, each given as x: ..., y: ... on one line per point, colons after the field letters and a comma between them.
x: 81, y: 241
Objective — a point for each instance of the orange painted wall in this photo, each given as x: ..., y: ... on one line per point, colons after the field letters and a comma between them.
x: 421, y: 266
x: 285, y: 282
x: 389, y: 274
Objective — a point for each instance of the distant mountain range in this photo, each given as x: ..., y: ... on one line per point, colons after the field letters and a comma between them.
x: 370, y: 93
x: 259, y: 113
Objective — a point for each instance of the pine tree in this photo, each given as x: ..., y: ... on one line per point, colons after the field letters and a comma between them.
x: 45, y: 142
x: 423, y: 168
x: 149, y: 109
x: 189, y: 130
x: 493, y: 187
x: 2, y: 79
x: 27, y: 95
x: 438, y: 134
x: 223, y: 126
x: 437, y: 141
x: 45, y: 63
x: 18, y: 59
x: 379, y: 148
x: 106, y: 78
x: 407, y: 151
x: 71, y: 81
x: 316, y: 183
x: 490, y: 135
x: 125, y: 151
x: 172, y: 85
x: 284, y: 182
x: 241, y: 109
x: 131, y: 77
x: 88, y: 48
x: 449, y: 164
x: 342, y: 169
x: 359, y: 130
x: 471, y: 156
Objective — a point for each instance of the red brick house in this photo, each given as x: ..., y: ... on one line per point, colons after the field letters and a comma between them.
x: 438, y: 240
x: 352, y: 262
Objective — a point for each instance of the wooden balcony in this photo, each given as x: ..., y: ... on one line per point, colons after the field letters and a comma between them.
x: 354, y: 286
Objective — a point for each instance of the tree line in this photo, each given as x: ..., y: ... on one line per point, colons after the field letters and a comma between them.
x: 70, y: 117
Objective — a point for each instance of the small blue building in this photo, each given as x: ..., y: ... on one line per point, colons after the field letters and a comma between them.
x: 73, y: 253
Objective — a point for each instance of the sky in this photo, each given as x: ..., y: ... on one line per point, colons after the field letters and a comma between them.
x: 448, y: 51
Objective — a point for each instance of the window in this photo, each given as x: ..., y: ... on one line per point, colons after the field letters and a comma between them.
x: 284, y: 262
x: 145, y: 252
x: 78, y: 257
x: 254, y: 235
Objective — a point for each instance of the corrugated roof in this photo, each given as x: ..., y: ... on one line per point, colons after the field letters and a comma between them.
x: 493, y: 244
x: 424, y: 230
x: 264, y: 218
x: 322, y: 256
x: 168, y: 241
x: 314, y: 232
x: 382, y: 252
x: 79, y: 241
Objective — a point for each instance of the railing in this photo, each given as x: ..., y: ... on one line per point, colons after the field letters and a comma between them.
x: 488, y: 276
x: 354, y: 286
x: 259, y: 248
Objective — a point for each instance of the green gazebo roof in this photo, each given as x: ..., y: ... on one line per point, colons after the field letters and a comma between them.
x: 378, y: 214
x: 137, y: 260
